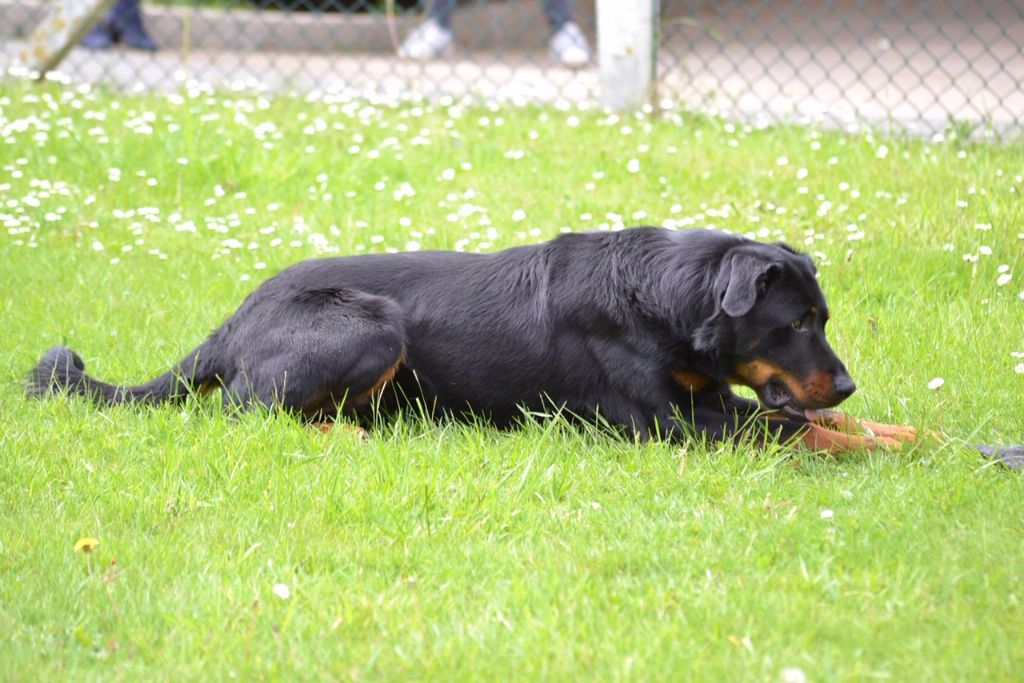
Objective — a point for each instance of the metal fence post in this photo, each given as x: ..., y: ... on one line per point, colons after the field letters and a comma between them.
x: 626, y: 50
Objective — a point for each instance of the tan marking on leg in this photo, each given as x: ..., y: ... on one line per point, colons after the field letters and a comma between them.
x: 850, y: 425
x: 901, y: 432
x: 817, y: 438
x: 386, y: 377
x: 691, y: 381
x: 352, y: 429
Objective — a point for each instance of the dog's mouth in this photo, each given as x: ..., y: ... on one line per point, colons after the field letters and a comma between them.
x: 775, y: 395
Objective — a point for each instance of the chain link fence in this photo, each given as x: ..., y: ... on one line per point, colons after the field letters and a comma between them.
x: 912, y: 66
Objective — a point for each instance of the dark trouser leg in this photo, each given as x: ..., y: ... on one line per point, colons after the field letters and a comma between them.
x: 441, y: 11
x: 100, y: 37
x: 558, y: 13
x: 126, y: 21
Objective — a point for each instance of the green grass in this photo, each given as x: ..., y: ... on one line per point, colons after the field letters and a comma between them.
x: 440, y: 551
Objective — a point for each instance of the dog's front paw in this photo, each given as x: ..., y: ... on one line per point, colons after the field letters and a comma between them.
x: 823, y: 439
x: 851, y: 425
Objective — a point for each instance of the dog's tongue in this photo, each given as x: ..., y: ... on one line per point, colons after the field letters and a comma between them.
x: 807, y: 414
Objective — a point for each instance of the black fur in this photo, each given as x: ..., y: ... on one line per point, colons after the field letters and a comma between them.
x: 644, y: 328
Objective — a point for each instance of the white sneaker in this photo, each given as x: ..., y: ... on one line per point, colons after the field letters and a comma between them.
x: 569, y: 46
x: 427, y: 41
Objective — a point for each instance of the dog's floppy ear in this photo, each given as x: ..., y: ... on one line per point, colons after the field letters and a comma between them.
x: 742, y: 279
x: 803, y: 258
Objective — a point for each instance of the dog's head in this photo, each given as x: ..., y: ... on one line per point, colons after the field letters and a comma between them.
x: 769, y: 327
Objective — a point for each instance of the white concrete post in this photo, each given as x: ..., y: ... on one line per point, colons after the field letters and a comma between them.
x: 626, y: 51
x: 60, y: 30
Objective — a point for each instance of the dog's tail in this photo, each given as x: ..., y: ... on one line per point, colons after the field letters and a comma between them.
x: 62, y: 370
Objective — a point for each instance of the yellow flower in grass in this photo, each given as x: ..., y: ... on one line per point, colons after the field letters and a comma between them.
x: 86, y: 544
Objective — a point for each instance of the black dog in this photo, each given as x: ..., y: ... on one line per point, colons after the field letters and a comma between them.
x: 644, y: 329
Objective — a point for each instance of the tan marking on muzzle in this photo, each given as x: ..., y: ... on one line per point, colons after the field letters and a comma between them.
x: 815, y: 390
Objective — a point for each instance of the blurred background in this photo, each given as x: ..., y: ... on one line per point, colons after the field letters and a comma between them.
x: 920, y: 67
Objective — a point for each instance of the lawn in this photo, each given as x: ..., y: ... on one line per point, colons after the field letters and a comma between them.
x: 259, y: 548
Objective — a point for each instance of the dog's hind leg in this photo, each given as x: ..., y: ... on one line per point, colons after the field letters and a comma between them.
x: 315, y: 352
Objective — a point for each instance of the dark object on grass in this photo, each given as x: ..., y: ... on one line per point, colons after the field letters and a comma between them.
x: 644, y: 329
x: 1008, y: 456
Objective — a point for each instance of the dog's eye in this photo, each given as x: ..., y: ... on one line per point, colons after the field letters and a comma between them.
x: 797, y: 324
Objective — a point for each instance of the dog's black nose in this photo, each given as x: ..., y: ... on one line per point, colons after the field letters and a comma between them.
x: 843, y: 385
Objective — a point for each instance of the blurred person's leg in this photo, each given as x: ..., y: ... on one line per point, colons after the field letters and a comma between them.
x: 568, y: 44
x: 431, y: 38
x: 123, y: 23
